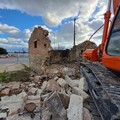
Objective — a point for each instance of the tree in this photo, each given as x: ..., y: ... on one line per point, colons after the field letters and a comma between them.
x: 3, y: 51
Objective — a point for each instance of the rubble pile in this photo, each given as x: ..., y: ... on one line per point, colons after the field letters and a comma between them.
x: 58, y: 94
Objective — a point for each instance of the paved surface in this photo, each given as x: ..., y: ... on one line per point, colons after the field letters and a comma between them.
x: 12, y: 67
x: 14, y: 60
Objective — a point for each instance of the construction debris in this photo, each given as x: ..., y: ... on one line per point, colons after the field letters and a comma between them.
x: 56, y: 95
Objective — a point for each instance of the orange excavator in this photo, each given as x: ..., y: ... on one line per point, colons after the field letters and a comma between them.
x: 102, y: 71
x: 109, y: 50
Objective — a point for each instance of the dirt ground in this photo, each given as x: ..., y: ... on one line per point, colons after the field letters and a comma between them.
x: 12, y: 67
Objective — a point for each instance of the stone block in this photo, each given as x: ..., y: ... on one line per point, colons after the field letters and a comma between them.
x: 75, y: 109
x: 86, y: 114
x: 62, y: 82
x: 44, y: 85
x: 80, y: 92
x: 65, y: 99
x: 32, y: 91
x: 52, y: 86
x: 83, y: 84
x: 14, y: 103
x: 46, y: 115
x: 3, y: 116
x: 30, y: 107
x: 5, y: 91
x: 71, y: 82
x: 69, y: 71
x: 56, y: 107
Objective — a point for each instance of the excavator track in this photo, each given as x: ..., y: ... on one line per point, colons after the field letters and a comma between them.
x: 104, y: 88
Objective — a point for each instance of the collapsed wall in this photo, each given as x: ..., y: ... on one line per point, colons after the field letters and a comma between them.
x: 59, y: 56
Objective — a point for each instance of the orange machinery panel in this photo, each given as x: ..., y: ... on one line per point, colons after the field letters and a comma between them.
x: 91, y: 54
x: 111, y: 62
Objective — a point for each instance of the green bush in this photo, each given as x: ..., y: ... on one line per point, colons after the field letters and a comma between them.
x: 3, y: 51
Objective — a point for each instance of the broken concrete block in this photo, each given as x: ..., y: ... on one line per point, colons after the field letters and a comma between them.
x: 14, y: 85
x: 44, y: 85
x: 5, y: 91
x: 23, y: 86
x: 53, y: 86
x: 17, y: 117
x: 69, y: 91
x: 62, y: 82
x: 65, y: 99
x: 69, y: 71
x: 31, y: 85
x: 44, y: 96
x: 30, y: 107
x: 60, y: 74
x: 80, y: 92
x: 32, y: 91
x: 2, y: 86
x: 71, y: 82
x: 56, y: 107
x: 39, y: 91
x: 75, y: 109
x: 14, y: 103
x: 23, y: 95
x: 55, y: 78
x: 86, y: 114
x: 46, y: 115
x: 3, y: 116
x: 62, y: 90
x: 15, y: 91
x: 34, y: 99
x: 31, y: 78
x: 37, y: 79
x: 83, y: 84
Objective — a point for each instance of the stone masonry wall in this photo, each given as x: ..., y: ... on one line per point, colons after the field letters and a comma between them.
x: 59, y: 56
x: 39, y: 45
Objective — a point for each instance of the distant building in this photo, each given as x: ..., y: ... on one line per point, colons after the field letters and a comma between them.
x: 39, y: 45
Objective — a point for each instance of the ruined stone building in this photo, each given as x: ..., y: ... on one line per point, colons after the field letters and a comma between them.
x: 76, y: 51
x: 39, y: 45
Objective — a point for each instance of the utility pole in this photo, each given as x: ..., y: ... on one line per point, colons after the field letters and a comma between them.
x: 74, y: 47
x: 74, y: 33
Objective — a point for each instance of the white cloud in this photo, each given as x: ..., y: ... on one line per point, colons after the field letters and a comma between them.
x: 15, y: 38
x: 14, y: 32
x: 12, y: 41
x: 53, y: 12
x: 8, y: 29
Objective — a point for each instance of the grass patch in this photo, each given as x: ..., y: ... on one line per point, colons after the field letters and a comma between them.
x: 22, y: 76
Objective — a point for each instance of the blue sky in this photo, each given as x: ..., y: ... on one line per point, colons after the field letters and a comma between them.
x: 18, y: 19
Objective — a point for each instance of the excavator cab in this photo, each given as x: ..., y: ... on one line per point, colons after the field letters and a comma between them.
x: 113, y: 45
x: 111, y: 53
